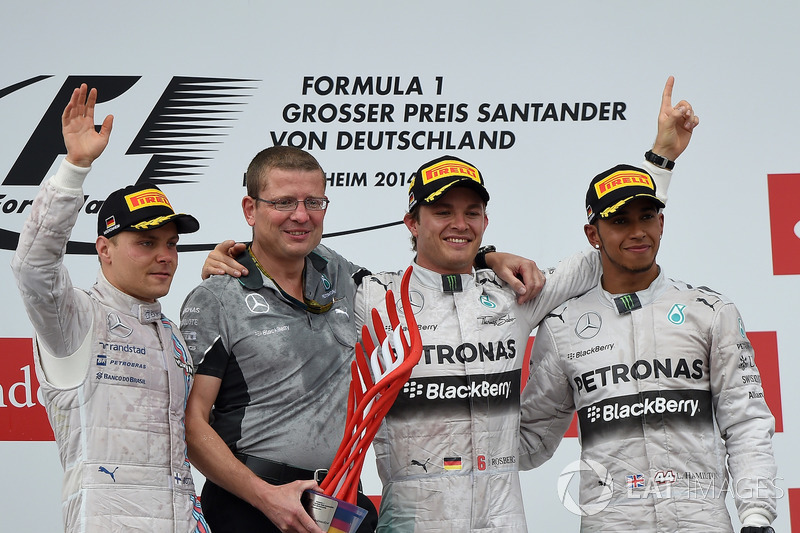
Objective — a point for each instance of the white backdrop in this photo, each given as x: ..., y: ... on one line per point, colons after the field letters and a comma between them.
x: 736, y: 62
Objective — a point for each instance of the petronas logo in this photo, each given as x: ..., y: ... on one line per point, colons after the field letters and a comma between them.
x: 676, y: 315
x: 326, y: 283
x: 487, y: 302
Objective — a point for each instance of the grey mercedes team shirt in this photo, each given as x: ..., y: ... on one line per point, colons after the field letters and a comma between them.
x: 285, y: 370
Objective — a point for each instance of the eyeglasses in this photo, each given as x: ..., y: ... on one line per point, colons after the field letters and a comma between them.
x: 290, y: 204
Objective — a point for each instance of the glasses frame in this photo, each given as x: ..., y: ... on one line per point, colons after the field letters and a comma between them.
x: 294, y: 202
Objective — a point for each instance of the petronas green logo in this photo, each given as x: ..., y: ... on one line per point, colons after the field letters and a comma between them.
x: 487, y: 302
x: 326, y: 283
x: 676, y: 315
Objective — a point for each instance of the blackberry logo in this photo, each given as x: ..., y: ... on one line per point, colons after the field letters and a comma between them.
x: 593, y: 413
x: 412, y: 389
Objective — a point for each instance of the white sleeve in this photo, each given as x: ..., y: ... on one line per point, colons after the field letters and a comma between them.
x: 661, y: 177
x: 547, y: 405
x: 59, y: 313
x: 572, y: 277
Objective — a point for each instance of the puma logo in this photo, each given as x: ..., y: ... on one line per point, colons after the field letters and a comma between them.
x: 424, y: 466
x: 105, y: 471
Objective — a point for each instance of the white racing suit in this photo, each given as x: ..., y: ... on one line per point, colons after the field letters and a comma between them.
x: 115, y: 377
x: 447, y: 450
x: 666, y: 389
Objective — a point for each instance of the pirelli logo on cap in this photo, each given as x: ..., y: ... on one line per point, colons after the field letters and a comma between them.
x: 623, y: 178
x: 146, y: 198
x: 446, y: 169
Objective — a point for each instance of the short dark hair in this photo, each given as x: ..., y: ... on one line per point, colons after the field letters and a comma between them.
x: 282, y: 157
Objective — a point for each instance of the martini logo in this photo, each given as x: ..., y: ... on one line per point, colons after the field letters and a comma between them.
x: 784, y: 217
x: 177, y: 137
x: 623, y: 178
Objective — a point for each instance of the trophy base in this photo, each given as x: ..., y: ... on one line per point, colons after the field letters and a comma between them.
x: 332, y: 514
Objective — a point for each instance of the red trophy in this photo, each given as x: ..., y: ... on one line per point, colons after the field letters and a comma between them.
x: 374, y: 385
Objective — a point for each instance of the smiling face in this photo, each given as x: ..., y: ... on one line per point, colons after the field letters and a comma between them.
x: 140, y: 263
x: 629, y: 242
x: 449, y: 231
x: 285, y: 237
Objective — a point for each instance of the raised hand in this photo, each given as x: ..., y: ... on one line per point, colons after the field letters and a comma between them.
x: 84, y: 143
x: 675, y: 124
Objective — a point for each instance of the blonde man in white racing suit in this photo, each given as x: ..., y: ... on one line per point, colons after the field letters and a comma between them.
x: 113, y: 370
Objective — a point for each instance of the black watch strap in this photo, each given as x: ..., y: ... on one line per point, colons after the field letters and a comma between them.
x: 659, y: 161
x: 762, y: 529
x: 480, y: 259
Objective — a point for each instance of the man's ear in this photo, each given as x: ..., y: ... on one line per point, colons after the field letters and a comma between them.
x: 592, y: 235
x: 249, y: 210
x: 411, y: 224
x: 102, y: 245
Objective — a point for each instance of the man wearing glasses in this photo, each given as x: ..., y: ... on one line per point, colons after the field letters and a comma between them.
x: 273, y: 351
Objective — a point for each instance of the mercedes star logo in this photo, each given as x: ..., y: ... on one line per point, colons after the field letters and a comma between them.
x: 256, y: 303
x: 588, y: 325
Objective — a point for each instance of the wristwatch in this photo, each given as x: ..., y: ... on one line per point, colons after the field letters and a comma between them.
x: 480, y: 259
x: 659, y: 161
x: 762, y: 529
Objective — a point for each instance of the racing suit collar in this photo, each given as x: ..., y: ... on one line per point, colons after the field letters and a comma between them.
x: 622, y: 304
x: 443, y: 282
x: 144, y: 312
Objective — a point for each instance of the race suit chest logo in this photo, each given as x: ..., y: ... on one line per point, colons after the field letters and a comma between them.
x: 436, y: 396
x: 121, y: 363
x: 627, y: 416
x: 613, y: 375
x: 588, y: 325
x: 444, y: 354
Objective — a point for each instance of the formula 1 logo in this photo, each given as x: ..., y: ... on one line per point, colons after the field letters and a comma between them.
x: 179, y: 135
x: 784, y: 215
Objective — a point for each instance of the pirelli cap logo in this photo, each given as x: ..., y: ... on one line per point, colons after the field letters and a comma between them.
x: 623, y: 178
x: 146, y: 198
x: 449, y: 168
x: 434, y: 178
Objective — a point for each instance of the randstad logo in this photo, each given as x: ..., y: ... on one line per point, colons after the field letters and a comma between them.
x: 164, y: 149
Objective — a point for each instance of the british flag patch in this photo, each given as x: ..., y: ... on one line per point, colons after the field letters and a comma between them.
x: 635, y: 481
